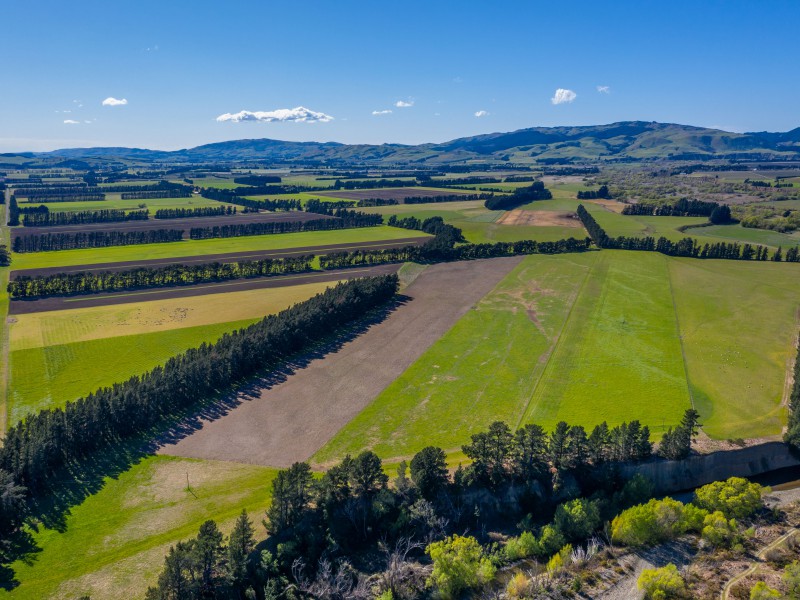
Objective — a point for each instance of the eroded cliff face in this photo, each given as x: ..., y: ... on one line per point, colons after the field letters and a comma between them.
x: 671, y: 476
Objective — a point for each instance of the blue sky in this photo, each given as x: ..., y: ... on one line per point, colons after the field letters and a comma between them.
x: 181, y: 65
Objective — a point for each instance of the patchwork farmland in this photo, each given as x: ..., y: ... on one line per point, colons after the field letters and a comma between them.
x: 522, y: 315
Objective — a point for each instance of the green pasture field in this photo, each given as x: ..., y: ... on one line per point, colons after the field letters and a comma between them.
x: 112, y: 545
x: 62, y: 355
x: 49, y: 376
x: 88, y: 256
x: 153, y: 204
x: 222, y: 183
x: 737, y: 233
x: 593, y: 337
x: 738, y: 321
x: 479, y: 224
x: 483, y: 369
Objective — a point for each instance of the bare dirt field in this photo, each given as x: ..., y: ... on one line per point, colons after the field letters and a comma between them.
x: 398, y: 194
x: 183, y: 224
x: 611, y: 205
x: 231, y: 257
x: 287, y: 421
x: 20, y: 307
x: 540, y: 218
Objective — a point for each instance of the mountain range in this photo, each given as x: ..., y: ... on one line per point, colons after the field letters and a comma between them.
x: 628, y: 140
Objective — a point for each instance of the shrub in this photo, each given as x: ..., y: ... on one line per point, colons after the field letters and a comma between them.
x: 458, y: 564
x: 719, y: 531
x: 577, y: 519
x: 559, y: 560
x: 522, y: 547
x: 761, y: 591
x: 735, y: 498
x: 650, y: 523
x: 663, y: 583
x: 791, y: 579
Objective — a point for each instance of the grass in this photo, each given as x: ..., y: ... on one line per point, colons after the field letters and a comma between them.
x: 90, y: 256
x: 478, y: 224
x: 603, y: 336
x: 619, y: 356
x: 153, y: 204
x: 484, y: 369
x: 738, y: 322
x: 737, y: 233
x: 62, y: 355
x: 114, y: 543
x: 35, y: 330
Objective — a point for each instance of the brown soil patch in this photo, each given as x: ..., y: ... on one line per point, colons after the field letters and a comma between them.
x: 611, y: 205
x: 294, y: 418
x: 540, y: 218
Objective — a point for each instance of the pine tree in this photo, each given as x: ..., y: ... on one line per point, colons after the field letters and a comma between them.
x: 240, y: 545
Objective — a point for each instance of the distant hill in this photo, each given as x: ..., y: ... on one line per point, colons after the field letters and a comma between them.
x: 628, y: 140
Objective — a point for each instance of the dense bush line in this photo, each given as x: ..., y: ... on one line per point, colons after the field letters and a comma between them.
x: 424, y: 199
x: 521, y: 196
x: 231, y: 198
x: 369, y: 184
x: 90, y: 282
x: 680, y: 208
x: 344, y: 219
x: 184, y: 213
x: 78, y: 197
x: 792, y: 435
x: 47, y: 219
x: 47, y: 242
x: 595, y: 194
x: 45, y: 441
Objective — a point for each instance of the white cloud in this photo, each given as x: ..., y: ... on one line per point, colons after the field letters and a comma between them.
x: 87, y: 121
x: 298, y: 114
x: 563, y: 96
x: 604, y: 89
x: 381, y: 112
x: 110, y: 101
x: 70, y: 122
x: 403, y: 104
x: 481, y: 113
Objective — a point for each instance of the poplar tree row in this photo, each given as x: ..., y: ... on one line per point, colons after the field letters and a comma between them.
x: 681, y: 208
x: 76, y: 197
x: 91, y: 282
x: 44, y: 442
x: 164, y: 193
x: 184, y: 213
x: 46, y: 218
x: 47, y: 242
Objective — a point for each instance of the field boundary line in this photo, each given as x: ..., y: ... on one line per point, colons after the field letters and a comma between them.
x: 680, y: 334
x: 555, y: 346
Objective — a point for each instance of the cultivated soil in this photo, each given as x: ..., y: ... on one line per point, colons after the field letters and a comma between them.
x: 398, y: 194
x: 19, y: 307
x: 540, y: 218
x: 291, y: 419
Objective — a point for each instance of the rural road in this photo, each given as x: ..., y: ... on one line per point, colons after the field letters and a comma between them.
x: 292, y: 419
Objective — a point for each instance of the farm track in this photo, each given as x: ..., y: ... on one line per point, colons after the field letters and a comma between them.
x: 288, y: 420
x: 230, y: 257
x: 21, y: 307
x: 184, y: 224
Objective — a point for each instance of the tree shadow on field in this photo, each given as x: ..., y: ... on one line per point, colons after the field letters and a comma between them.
x: 252, y: 389
x: 50, y: 506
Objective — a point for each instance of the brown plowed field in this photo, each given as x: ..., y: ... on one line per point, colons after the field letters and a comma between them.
x: 398, y: 194
x: 20, y: 307
x: 540, y: 218
x: 232, y: 257
x: 289, y: 420
x: 184, y: 224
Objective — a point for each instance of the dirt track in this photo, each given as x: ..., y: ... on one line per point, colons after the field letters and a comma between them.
x: 231, y: 257
x: 21, y: 307
x: 290, y: 420
x: 184, y: 224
